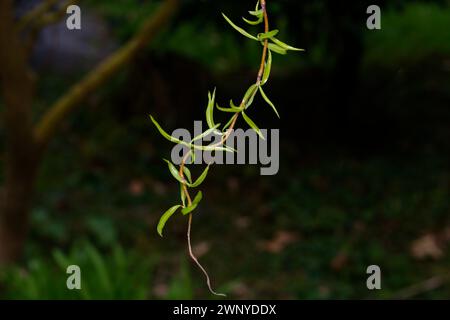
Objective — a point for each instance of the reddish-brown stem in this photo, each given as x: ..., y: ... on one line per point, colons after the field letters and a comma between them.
x: 220, y: 143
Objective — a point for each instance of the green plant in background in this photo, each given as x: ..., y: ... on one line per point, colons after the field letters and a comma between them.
x: 182, y: 174
x: 119, y: 274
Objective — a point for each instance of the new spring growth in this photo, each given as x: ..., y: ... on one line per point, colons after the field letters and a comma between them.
x: 187, y: 205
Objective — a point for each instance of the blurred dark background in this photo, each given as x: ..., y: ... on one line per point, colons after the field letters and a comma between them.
x: 364, y: 174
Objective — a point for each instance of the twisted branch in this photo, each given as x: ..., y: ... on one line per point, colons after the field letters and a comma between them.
x: 221, y: 143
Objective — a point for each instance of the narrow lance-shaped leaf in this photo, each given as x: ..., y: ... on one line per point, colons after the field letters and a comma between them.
x: 201, y: 178
x: 257, y: 13
x: 250, y: 95
x: 256, y: 8
x: 229, y: 149
x: 210, y: 109
x: 189, y: 209
x: 173, y: 170
x: 230, y: 109
x: 208, y: 148
x: 206, y: 133
x: 275, y: 48
x: 263, y: 94
x: 198, y: 197
x: 267, y: 68
x: 190, y: 145
x: 192, y: 156
x: 166, y: 135
x: 165, y: 217
x: 232, y: 105
x: 239, y: 29
x: 216, y: 148
x: 253, y: 125
x: 187, y: 173
x: 268, y: 35
x: 284, y: 45
x: 194, y: 204
x: 228, y: 124
x: 253, y: 23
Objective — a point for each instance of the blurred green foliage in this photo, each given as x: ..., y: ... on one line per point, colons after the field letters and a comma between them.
x: 120, y: 274
x: 418, y: 31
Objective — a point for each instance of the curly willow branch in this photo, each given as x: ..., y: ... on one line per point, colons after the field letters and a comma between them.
x: 182, y: 174
x: 220, y: 143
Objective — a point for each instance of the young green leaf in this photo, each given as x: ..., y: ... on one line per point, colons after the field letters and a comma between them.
x: 263, y: 94
x: 207, y: 133
x: 173, y: 170
x: 198, y: 197
x: 214, y: 148
x: 260, y: 11
x: 210, y: 109
x: 257, y: 13
x: 230, y: 109
x: 253, y: 23
x: 187, y: 173
x: 165, y: 134
x: 189, y: 209
x: 268, y: 35
x: 253, y: 125
x: 165, y: 217
x: 229, y: 149
x: 227, y: 124
x: 240, y: 30
x: 250, y: 95
x: 275, y: 48
x: 192, y: 156
x: 201, y: 178
x: 232, y: 105
x: 267, y: 68
x: 284, y: 45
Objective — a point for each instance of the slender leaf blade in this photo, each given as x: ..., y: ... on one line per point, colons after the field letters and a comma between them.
x: 267, y: 68
x: 250, y: 95
x: 198, y: 197
x: 187, y: 173
x: 263, y: 94
x: 189, y: 209
x: 165, y: 134
x: 285, y: 46
x: 239, y: 29
x: 210, y: 109
x: 230, y: 109
x: 253, y: 125
x: 207, y: 133
x: 268, y: 35
x: 165, y: 217
x: 201, y: 178
x: 253, y: 23
x: 173, y: 170
x: 275, y: 48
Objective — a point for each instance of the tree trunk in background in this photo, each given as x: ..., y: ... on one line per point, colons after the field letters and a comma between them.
x: 20, y: 152
x: 15, y: 206
x: 24, y: 144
